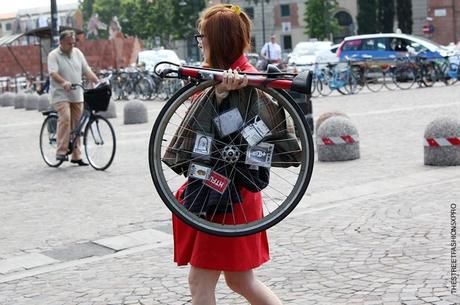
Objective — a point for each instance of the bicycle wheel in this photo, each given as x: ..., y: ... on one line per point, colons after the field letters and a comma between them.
x: 280, y: 195
x: 144, y: 89
x: 100, y: 143
x: 452, y: 74
x: 404, y: 77
x: 48, y: 141
x: 325, y: 88
x: 374, y: 78
x: 430, y: 74
x: 315, y: 87
x: 388, y: 78
x: 352, y: 84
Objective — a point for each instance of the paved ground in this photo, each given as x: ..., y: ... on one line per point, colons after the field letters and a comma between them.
x: 370, y: 231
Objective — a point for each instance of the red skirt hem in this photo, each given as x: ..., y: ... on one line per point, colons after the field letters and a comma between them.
x: 232, y: 254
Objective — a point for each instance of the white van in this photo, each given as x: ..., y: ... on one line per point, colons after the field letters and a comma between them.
x: 151, y: 57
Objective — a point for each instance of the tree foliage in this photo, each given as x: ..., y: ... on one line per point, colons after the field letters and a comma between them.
x: 404, y: 15
x: 385, y: 16
x: 167, y: 19
x: 318, y: 18
x: 367, y: 16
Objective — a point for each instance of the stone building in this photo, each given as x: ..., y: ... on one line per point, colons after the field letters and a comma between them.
x: 285, y: 19
x: 444, y: 16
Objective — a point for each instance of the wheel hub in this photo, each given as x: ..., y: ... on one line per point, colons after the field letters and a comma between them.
x: 230, y: 153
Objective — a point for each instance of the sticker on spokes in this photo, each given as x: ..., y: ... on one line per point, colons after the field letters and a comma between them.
x: 217, y: 182
x: 255, y: 131
x: 228, y: 122
x: 260, y: 155
x: 202, y: 146
x: 199, y: 171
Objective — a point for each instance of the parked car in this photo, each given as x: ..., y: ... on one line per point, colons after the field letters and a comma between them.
x: 306, y: 54
x: 151, y: 57
x: 386, y: 47
x: 253, y: 58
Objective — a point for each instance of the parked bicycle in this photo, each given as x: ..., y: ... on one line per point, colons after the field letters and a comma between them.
x: 98, y: 134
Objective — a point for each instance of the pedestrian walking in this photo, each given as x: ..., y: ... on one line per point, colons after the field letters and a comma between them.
x: 224, y: 36
x: 271, y: 52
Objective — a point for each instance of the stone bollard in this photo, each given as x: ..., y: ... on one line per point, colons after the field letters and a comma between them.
x: 44, y: 102
x: 111, y: 111
x: 19, y: 100
x: 337, y: 140
x: 8, y: 99
x: 135, y: 112
x: 323, y: 117
x: 31, y: 102
x: 442, y: 142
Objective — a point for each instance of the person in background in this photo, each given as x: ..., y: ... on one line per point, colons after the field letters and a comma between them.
x: 271, y: 51
x: 66, y: 65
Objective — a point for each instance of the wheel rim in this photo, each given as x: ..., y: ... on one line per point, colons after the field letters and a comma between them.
x: 99, y: 140
x: 277, y: 200
x: 48, y: 141
x: 404, y: 78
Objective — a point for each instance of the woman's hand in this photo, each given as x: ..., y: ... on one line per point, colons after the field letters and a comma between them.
x: 231, y: 80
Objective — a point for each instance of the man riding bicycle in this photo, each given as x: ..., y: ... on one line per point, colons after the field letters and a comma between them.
x: 66, y: 65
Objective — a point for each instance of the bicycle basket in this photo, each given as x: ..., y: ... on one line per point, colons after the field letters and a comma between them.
x: 98, y: 98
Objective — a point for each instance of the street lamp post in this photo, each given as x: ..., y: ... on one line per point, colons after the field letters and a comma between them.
x: 54, y: 25
x: 263, y: 22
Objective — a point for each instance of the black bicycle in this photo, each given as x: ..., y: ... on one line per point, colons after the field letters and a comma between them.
x: 256, y: 138
x: 98, y: 134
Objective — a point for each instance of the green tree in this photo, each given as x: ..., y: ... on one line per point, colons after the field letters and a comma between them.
x: 87, y: 9
x: 367, y: 17
x: 385, y: 15
x: 404, y: 15
x: 185, y: 18
x: 318, y: 18
x: 167, y: 19
x: 106, y: 10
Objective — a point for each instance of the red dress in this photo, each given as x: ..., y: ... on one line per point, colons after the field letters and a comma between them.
x: 207, y: 251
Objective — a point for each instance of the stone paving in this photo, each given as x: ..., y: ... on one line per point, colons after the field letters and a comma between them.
x: 370, y: 231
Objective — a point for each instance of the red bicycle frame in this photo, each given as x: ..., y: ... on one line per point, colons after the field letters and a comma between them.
x: 296, y: 82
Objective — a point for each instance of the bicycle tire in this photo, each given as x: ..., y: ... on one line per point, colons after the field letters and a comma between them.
x: 429, y: 74
x: 144, y: 89
x: 388, y: 79
x: 453, y: 74
x: 315, y: 87
x: 48, y: 141
x: 325, y: 88
x: 374, y: 78
x: 404, y: 77
x: 100, y: 142
x: 352, y: 84
x: 167, y: 182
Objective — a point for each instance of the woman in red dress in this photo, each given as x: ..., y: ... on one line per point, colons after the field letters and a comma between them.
x: 225, y: 34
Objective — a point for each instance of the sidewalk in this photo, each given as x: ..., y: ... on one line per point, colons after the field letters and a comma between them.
x: 369, y: 231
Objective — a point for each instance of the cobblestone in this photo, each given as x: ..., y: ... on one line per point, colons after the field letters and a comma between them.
x: 370, y: 231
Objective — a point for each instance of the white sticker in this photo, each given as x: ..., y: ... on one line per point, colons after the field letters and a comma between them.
x: 260, y: 155
x: 228, y: 122
x: 199, y: 171
x: 255, y: 131
x: 203, y: 144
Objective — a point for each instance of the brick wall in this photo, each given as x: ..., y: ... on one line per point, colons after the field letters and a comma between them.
x: 447, y: 28
x: 100, y: 54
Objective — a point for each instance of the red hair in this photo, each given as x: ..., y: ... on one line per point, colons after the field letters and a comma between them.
x: 228, y: 33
